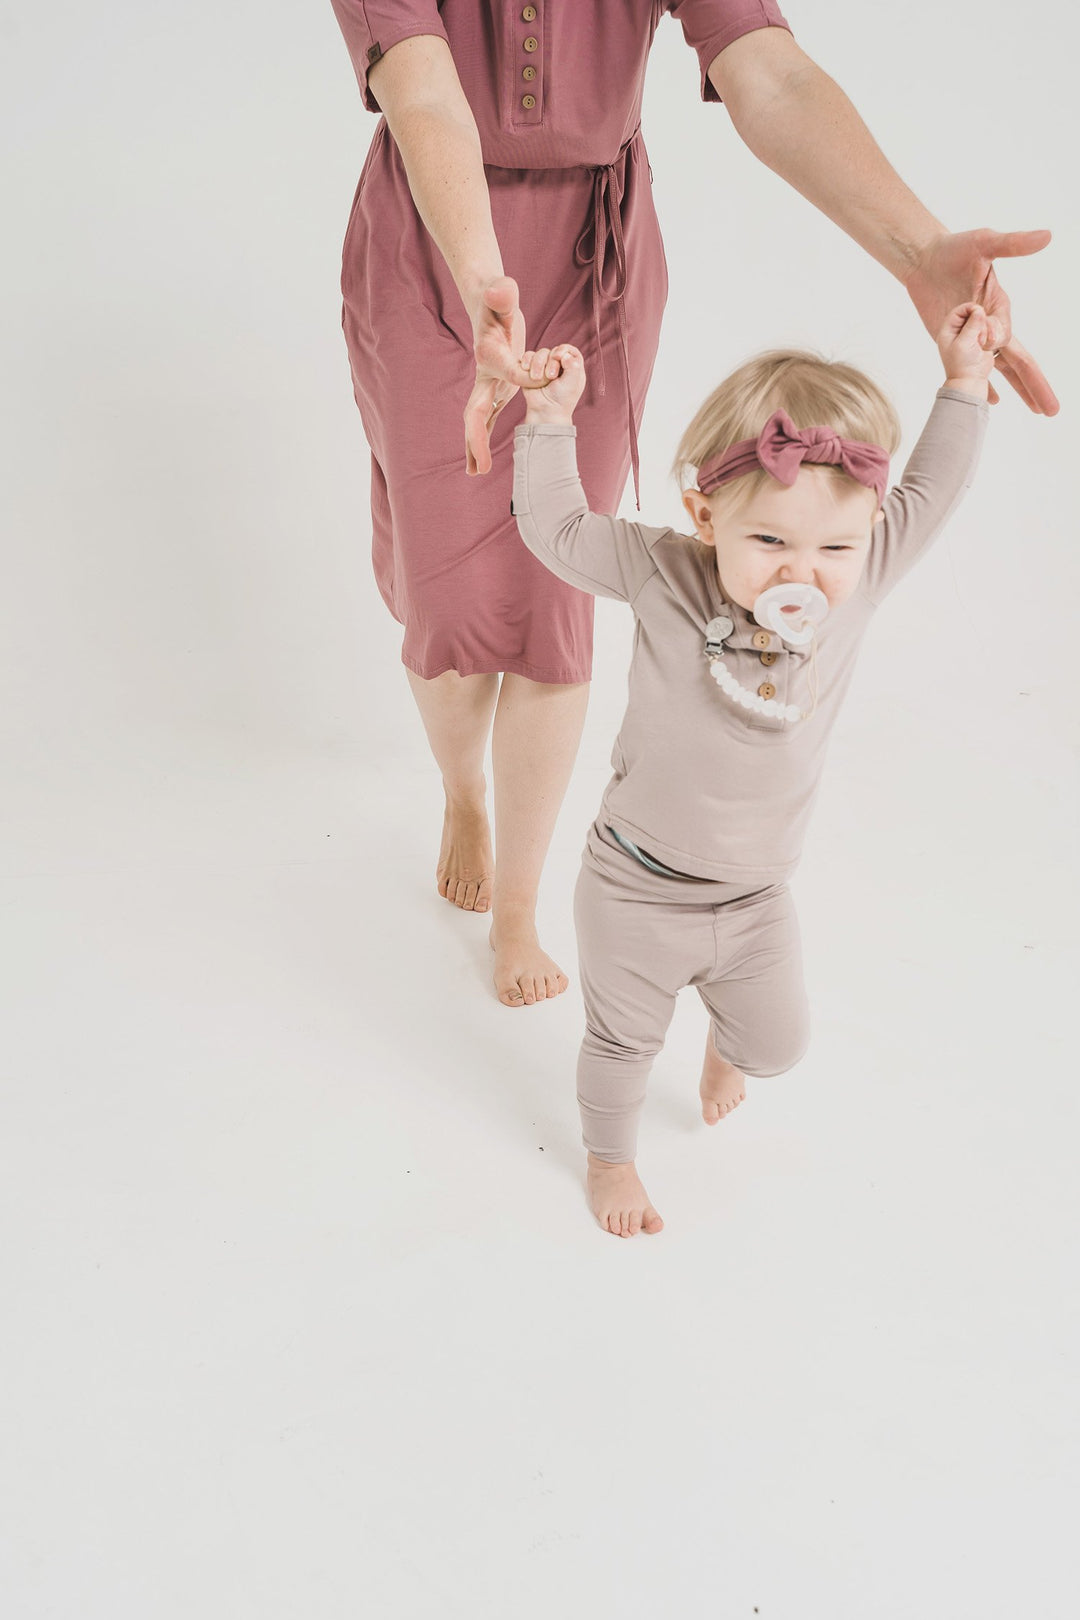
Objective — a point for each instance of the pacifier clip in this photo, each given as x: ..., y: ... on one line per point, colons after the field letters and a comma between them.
x: 793, y: 612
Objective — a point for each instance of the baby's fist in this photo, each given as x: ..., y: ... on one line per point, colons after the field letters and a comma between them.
x: 967, y: 341
x: 558, y: 383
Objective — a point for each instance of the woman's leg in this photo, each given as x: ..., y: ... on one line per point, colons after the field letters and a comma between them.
x: 456, y: 711
x: 534, y: 743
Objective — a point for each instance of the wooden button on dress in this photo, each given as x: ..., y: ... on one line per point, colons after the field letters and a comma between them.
x: 529, y: 14
x: 766, y: 690
x: 531, y: 44
x: 528, y: 72
x: 528, y: 101
x: 761, y: 638
x: 768, y: 658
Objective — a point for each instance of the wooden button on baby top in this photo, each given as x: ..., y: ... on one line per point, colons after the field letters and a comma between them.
x: 766, y: 690
x: 528, y: 73
x: 531, y: 44
x: 528, y: 101
x: 761, y: 638
x: 768, y: 658
x: 529, y: 14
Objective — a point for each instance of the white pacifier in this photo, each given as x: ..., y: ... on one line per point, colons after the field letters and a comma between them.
x: 793, y: 612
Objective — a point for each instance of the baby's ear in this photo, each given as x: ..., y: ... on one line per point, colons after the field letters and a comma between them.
x: 700, y: 514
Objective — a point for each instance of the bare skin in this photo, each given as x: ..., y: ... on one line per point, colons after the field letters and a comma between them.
x: 524, y: 973
x: 457, y: 712
x: 722, y: 1088
x: 466, y: 867
x: 619, y: 1201
x: 535, y: 729
x: 534, y: 741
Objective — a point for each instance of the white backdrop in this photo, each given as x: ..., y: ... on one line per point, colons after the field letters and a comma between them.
x: 271, y: 1149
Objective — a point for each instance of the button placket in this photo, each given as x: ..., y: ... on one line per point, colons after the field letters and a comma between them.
x: 768, y: 654
x: 528, y: 91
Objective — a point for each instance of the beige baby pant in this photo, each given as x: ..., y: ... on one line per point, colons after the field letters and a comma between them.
x: 642, y: 937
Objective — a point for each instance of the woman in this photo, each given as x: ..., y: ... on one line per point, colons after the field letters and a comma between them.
x: 515, y: 129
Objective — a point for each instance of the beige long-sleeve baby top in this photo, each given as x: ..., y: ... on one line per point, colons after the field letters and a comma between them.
x: 709, y: 788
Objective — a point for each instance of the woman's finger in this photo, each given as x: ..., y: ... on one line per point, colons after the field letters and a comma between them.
x: 1021, y: 371
x: 477, y: 447
x: 1012, y: 244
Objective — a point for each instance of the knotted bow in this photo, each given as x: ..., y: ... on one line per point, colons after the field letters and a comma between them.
x: 781, y: 448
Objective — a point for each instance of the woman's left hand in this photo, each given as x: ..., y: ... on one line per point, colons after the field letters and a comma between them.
x: 958, y: 268
x: 498, y: 340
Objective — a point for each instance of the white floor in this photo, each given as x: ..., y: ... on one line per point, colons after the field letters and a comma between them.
x: 304, y: 1313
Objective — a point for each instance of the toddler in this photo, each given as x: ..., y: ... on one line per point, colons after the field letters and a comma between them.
x: 745, y: 640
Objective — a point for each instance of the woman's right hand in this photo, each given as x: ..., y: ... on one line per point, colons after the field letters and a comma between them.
x: 499, y: 342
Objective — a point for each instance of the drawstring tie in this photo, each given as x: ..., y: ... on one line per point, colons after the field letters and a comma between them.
x: 604, y: 228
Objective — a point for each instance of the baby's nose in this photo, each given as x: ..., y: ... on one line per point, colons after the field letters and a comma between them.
x: 797, y: 573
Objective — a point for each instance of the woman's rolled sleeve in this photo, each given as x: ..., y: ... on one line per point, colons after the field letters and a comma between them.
x: 371, y: 27
x: 710, y: 26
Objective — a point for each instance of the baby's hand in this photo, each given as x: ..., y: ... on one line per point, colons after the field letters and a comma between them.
x: 559, y: 382
x: 966, y: 344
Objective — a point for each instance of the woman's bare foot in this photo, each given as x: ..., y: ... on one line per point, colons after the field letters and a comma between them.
x: 466, y: 861
x: 722, y: 1086
x: 524, y: 972
x: 619, y: 1201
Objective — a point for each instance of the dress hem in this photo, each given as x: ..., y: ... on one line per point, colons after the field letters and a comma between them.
x: 509, y: 666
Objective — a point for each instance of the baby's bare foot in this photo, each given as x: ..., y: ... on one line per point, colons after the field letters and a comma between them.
x: 722, y: 1086
x: 524, y: 972
x: 466, y: 862
x: 619, y: 1201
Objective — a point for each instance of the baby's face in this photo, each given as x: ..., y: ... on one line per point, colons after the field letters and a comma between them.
x: 817, y: 532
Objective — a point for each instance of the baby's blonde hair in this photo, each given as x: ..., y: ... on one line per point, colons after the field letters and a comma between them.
x: 812, y: 390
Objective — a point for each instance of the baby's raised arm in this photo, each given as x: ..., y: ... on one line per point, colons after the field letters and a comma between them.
x: 597, y: 553
x: 942, y: 465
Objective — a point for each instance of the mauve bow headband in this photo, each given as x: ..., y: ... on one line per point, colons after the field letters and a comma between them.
x: 781, y: 448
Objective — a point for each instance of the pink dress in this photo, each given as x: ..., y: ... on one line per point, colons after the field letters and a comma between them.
x: 555, y: 87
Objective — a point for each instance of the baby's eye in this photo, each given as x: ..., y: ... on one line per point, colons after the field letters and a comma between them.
x: 769, y: 539
x: 837, y: 548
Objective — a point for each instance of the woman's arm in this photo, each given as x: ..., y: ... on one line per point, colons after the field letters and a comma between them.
x: 420, y: 94
x: 802, y: 126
